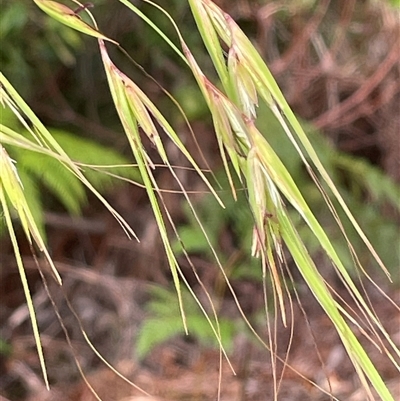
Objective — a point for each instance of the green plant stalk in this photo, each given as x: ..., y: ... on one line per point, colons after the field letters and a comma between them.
x: 269, y: 90
x: 10, y: 184
x: 129, y: 121
x: 315, y: 282
x: 137, y: 11
x: 46, y: 140
x: 242, y: 137
x: 68, y: 17
x: 273, y: 97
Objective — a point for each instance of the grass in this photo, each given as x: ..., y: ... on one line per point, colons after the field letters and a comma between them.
x: 244, y: 81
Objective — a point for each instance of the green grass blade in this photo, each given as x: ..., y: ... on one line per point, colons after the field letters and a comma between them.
x: 316, y: 284
x: 68, y: 17
x: 10, y: 185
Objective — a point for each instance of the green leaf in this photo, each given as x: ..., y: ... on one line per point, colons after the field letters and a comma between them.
x: 164, y: 323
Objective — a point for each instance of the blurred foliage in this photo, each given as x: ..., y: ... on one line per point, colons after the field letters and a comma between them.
x: 164, y: 323
x: 45, y: 179
x: 5, y: 348
x: 31, y: 44
x: 236, y: 218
